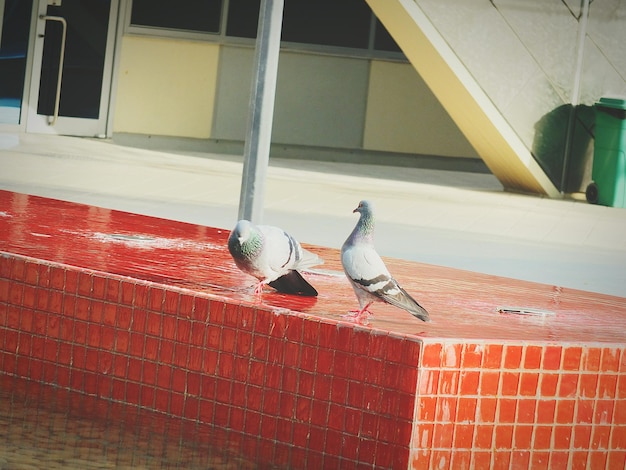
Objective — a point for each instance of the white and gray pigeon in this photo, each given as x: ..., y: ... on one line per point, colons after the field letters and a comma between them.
x: 368, y: 274
x: 272, y: 256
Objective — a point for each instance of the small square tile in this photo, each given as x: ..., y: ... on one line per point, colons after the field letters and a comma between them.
x: 352, y: 421
x: 290, y: 380
x: 522, y: 437
x: 156, y: 297
x: 451, y: 355
x: 532, y: 357
x: 621, y: 386
x: 616, y: 459
x: 307, y: 357
x: 446, y: 409
x: 127, y: 294
x: 579, y: 460
x: 449, y: 382
x: 442, y: 435
x: 428, y: 381
x: 472, y: 356
x: 492, y: 357
x: 582, y: 436
x: 278, y: 327
x: 503, y: 436
x: 141, y: 296
x: 598, y: 460
x: 603, y: 413
x: 463, y: 437
x: 96, y: 314
x: 469, y: 382
x: 545, y: 411
x: 426, y: 409
x: 139, y: 320
x: 55, y: 302
x: 518, y: 459
x: 481, y: 459
x: 31, y: 273
x: 568, y: 385
x: 162, y: 325
x: 565, y: 411
x: 227, y: 340
x: 460, y: 459
x: 183, y: 330
x: 201, y: 309
x: 57, y: 277
x: 240, y: 368
x: 489, y: 383
x: 336, y: 416
x: 109, y: 313
x: 562, y: 437
x: 526, y: 410
x: 327, y: 335
x: 507, y: 408
x: 44, y: 276
x: 528, y: 384
x: 99, y: 287
x: 512, y: 356
x: 607, y: 386
x: 325, y: 361
x: 213, y: 334
x: 510, y: 383
x: 549, y: 384
x: 571, y: 358
x: 177, y: 404
x: 610, y: 359
x: 113, y: 288
x: 431, y: 356
x: 146, y: 397
x: 486, y: 410
x: 600, y: 437
x: 466, y: 410
x: 552, y: 358
x: 619, y: 418
x: 588, y: 385
x: 171, y: 302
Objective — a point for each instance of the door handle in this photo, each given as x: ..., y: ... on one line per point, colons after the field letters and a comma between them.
x: 53, y: 119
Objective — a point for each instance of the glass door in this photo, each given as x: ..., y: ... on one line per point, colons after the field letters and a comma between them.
x: 14, y: 31
x: 72, y: 67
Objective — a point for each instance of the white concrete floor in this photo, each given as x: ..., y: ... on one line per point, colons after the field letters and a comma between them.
x: 461, y: 220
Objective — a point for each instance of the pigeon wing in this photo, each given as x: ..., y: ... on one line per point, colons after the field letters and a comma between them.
x: 367, y: 271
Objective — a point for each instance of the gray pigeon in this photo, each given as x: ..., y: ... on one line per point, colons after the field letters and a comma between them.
x: 272, y: 256
x: 367, y: 272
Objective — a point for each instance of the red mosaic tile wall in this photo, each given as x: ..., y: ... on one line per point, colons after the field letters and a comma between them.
x: 503, y: 406
x: 306, y: 392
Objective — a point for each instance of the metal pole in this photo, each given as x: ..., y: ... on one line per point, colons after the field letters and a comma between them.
x: 261, y: 112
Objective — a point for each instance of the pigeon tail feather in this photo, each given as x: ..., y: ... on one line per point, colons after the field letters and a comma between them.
x: 403, y: 300
x: 293, y: 283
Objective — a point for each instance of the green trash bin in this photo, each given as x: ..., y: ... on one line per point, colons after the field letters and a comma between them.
x: 609, y: 155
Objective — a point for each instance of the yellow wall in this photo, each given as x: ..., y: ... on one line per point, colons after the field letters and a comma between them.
x: 166, y: 87
x: 404, y: 116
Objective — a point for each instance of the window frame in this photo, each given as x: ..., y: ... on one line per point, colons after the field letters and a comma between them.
x: 222, y: 39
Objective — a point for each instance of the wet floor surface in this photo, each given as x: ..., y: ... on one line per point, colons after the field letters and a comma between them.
x: 46, y: 427
x: 461, y: 304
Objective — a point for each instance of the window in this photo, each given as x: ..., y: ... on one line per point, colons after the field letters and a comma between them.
x: 187, y: 15
x: 345, y: 24
x: 243, y: 18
